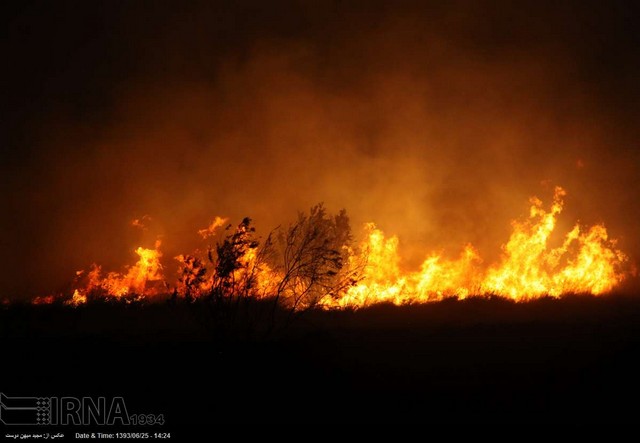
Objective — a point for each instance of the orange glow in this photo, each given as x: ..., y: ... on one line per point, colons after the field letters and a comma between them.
x: 530, y: 269
x: 77, y: 299
x: 265, y: 280
x: 141, y: 223
x: 192, y: 280
x: 210, y: 230
x: 144, y: 279
x: 383, y: 281
x: 585, y: 261
x: 43, y: 300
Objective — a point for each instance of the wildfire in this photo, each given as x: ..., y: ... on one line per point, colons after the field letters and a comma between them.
x: 210, y: 230
x: 142, y: 279
x: 528, y: 269
x: 43, y: 300
x: 383, y: 281
x: 76, y: 299
x: 586, y: 261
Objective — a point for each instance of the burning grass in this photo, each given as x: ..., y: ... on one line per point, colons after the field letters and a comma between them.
x: 314, y: 263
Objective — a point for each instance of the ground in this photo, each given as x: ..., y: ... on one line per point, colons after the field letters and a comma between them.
x: 479, y: 360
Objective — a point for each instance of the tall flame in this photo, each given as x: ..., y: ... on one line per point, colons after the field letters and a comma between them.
x: 141, y: 279
x: 210, y: 230
x: 586, y: 261
x: 529, y: 268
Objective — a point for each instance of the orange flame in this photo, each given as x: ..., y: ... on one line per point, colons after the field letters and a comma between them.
x: 529, y: 269
x: 141, y: 279
x: 77, y: 299
x: 44, y: 300
x: 586, y: 261
x: 383, y: 281
x: 210, y: 230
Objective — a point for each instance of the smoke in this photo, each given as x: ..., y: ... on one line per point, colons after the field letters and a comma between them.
x: 435, y: 121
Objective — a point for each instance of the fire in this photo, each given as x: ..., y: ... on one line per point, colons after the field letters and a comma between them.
x: 210, y: 230
x: 44, y: 300
x: 76, y: 299
x: 584, y: 261
x: 141, y: 279
x: 193, y: 281
x: 383, y: 281
x: 529, y: 267
x: 247, y: 270
x: 253, y: 269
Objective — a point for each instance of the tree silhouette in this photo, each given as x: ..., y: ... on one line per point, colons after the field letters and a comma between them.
x: 192, y: 276
x: 312, y: 253
x: 233, y: 276
x: 292, y: 271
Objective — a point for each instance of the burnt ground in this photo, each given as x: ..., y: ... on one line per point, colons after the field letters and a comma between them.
x: 481, y: 360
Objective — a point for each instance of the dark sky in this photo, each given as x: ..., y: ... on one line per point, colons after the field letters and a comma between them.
x: 436, y: 120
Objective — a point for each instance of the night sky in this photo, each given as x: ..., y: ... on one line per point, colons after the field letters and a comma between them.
x: 436, y: 120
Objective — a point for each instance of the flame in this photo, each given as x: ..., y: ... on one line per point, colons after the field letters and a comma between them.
x: 44, y: 300
x: 195, y: 281
x: 77, y: 299
x: 264, y: 279
x: 585, y: 261
x: 384, y: 282
x: 528, y: 269
x: 210, y: 230
x: 140, y: 279
x: 192, y: 281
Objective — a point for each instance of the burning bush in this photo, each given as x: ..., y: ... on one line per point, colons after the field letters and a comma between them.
x: 314, y: 263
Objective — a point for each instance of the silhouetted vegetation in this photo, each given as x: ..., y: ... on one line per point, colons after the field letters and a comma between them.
x: 309, y: 257
x: 472, y: 360
x: 226, y: 337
